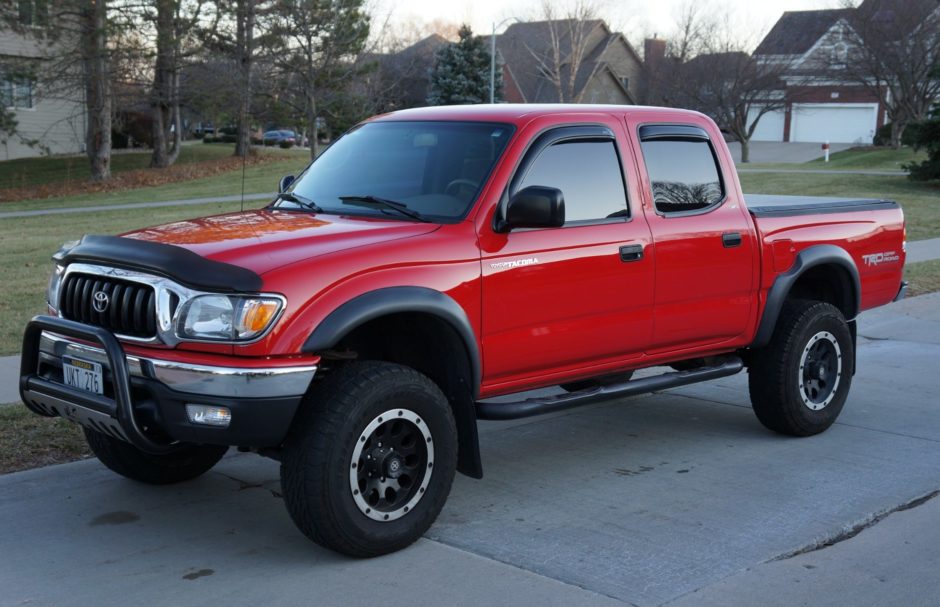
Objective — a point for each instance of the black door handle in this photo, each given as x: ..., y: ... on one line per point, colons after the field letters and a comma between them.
x: 731, y: 239
x: 631, y: 252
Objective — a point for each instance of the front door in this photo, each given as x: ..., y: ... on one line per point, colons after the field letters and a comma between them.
x: 574, y: 297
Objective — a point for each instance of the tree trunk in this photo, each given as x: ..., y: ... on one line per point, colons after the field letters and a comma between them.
x: 312, y: 124
x: 245, y: 35
x: 745, y: 150
x: 97, y: 87
x: 164, y: 98
x: 897, y: 131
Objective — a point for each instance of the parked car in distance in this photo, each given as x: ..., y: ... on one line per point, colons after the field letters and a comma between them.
x: 278, y: 137
x: 358, y: 327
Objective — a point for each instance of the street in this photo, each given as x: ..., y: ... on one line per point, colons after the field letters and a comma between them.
x: 677, y: 497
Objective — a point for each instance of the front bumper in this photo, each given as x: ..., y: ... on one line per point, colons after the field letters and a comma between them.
x: 145, y: 398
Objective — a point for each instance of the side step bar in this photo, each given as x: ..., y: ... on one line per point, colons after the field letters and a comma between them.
x: 551, y: 404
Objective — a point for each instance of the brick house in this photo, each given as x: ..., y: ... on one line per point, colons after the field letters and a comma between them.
x: 608, y: 68
x: 820, y: 106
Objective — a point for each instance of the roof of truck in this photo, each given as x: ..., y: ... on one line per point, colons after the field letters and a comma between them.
x: 514, y: 112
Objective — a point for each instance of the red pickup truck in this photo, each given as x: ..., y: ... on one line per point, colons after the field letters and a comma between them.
x: 357, y: 327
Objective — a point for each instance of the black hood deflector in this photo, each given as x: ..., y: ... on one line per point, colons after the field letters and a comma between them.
x: 182, y: 265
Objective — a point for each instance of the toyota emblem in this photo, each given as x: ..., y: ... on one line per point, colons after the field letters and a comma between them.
x: 100, y: 301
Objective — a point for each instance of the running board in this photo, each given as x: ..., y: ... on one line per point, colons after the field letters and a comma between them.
x: 551, y: 404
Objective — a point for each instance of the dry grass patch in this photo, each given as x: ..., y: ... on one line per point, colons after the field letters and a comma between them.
x: 29, y: 441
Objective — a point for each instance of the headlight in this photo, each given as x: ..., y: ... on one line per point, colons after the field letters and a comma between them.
x: 52, y: 291
x: 227, y: 317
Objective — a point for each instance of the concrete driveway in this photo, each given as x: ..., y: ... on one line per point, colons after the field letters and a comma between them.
x: 679, y: 496
x: 770, y: 151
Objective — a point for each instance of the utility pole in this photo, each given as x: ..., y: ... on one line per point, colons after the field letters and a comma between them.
x: 493, y: 59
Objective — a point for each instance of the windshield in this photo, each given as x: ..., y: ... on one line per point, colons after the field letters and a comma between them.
x: 433, y: 168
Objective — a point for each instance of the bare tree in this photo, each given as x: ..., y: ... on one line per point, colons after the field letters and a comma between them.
x: 708, y: 68
x: 561, y: 57
x: 176, y: 24
x: 93, y: 50
x: 316, y: 42
x: 734, y: 89
x: 245, y: 15
x: 893, y: 50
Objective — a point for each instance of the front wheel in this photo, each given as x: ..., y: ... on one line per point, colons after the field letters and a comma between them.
x: 799, y: 382
x: 186, y: 463
x: 369, y: 460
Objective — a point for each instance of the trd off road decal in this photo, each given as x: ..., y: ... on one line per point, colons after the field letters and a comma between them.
x: 873, y: 259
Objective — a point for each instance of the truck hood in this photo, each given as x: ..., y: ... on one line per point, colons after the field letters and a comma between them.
x: 266, y: 239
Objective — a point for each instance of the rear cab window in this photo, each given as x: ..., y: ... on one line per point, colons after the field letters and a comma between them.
x: 683, y: 169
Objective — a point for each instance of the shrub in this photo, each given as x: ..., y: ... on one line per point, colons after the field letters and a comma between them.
x: 908, y: 137
x: 229, y: 130
x: 928, y: 137
x: 286, y: 144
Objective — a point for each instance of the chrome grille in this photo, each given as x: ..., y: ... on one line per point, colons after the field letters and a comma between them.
x: 130, y: 310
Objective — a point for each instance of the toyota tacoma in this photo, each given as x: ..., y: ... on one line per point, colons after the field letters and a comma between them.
x: 357, y: 327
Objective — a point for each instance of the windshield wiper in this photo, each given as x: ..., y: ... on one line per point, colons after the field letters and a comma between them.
x: 299, y: 200
x: 385, y: 202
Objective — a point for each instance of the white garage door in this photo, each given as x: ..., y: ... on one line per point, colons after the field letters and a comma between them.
x: 836, y: 123
x: 769, y: 127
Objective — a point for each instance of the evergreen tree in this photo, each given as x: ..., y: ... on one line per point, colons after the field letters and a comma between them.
x: 461, y: 73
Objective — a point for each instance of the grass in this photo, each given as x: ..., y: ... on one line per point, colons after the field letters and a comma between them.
x: 26, y: 172
x: 854, y: 159
x: 30, y: 441
x: 258, y: 178
x: 920, y: 201
x: 27, y: 244
x: 923, y: 276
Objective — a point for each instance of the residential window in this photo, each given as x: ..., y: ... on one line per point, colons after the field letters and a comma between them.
x: 589, y: 176
x: 625, y: 82
x: 683, y: 174
x: 33, y: 12
x: 16, y: 92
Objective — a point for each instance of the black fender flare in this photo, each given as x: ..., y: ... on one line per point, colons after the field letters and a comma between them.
x: 810, y: 257
x: 391, y: 300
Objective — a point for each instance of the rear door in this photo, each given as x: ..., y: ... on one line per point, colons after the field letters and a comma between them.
x: 706, y: 250
x: 562, y: 299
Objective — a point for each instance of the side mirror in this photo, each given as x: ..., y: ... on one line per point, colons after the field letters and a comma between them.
x: 284, y: 183
x: 535, y: 207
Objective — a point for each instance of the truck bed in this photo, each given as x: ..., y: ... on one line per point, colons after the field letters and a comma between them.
x: 771, y: 205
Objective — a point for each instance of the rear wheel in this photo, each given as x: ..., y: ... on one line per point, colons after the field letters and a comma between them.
x: 370, y: 459
x: 799, y: 382
x: 127, y: 460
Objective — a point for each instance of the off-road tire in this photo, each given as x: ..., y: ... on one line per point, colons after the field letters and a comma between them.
x: 127, y: 460
x: 316, y: 459
x: 774, y: 372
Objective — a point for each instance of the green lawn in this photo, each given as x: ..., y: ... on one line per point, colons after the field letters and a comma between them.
x: 855, y: 159
x: 921, y: 202
x: 258, y: 178
x: 27, y: 244
x: 25, y: 172
x: 924, y: 277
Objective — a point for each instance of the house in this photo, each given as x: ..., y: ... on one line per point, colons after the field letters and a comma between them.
x: 400, y: 79
x: 47, y: 122
x: 606, y: 68
x: 821, y: 106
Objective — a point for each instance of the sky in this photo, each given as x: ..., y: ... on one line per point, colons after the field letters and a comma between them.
x: 635, y: 18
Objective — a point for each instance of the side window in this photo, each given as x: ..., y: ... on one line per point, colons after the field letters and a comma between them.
x: 587, y: 173
x: 683, y: 172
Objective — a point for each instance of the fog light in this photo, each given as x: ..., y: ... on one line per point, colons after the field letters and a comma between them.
x: 209, y: 415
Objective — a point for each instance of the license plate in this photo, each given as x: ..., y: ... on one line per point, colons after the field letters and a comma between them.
x: 82, y: 374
